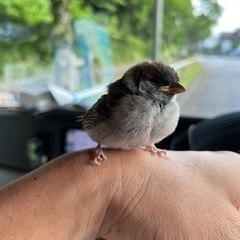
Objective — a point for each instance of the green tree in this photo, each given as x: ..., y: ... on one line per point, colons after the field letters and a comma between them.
x: 206, y: 14
x: 185, y: 25
x: 36, y: 17
x: 25, y: 12
x: 129, y: 22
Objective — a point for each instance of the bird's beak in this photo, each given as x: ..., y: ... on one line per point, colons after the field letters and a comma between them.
x: 175, y: 89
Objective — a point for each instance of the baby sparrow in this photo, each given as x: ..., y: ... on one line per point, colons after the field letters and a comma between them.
x: 140, y: 109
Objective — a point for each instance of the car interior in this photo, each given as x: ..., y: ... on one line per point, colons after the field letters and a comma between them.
x: 35, y: 139
x: 39, y: 107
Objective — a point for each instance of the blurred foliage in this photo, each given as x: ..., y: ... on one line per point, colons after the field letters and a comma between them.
x: 129, y: 22
x: 185, y: 26
x: 26, y: 12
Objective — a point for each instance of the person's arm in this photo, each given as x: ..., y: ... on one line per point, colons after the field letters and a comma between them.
x: 132, y: 195
x: 66, y: 199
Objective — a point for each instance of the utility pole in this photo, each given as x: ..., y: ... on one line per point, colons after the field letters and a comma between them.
x: 158, y: 26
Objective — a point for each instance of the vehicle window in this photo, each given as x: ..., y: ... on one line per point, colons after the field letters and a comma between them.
x: 73, y: 49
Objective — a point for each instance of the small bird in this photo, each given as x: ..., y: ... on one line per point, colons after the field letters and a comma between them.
x: 139, y: 109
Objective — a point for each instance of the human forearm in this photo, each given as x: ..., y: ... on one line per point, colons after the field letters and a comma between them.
x: 132, y: 195
x: 62, y: 200
x: 187, y: 195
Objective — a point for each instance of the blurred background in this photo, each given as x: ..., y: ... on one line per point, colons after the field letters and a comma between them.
x: 82, y: 45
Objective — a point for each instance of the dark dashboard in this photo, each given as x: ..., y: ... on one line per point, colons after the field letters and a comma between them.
x: 29, y: 140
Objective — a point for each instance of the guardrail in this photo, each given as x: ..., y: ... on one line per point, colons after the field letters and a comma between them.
x: 100, y: 89
x: 183, y: 63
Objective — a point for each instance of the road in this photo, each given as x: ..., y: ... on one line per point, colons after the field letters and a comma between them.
x: 215, y: 91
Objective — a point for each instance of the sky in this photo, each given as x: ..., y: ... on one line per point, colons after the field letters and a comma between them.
x: 230, y: 19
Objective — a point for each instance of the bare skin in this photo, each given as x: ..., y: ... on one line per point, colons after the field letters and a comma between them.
x: 132, y: 195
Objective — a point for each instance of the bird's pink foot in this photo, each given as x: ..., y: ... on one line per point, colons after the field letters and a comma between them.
x: 98, y: 155
x: 152, y: 148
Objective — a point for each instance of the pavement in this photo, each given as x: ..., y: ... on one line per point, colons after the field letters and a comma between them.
x: 215, y: 91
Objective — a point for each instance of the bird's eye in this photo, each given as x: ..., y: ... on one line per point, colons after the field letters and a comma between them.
x: 155, y: 81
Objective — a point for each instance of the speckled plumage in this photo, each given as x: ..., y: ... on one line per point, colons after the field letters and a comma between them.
x: 137, y: 111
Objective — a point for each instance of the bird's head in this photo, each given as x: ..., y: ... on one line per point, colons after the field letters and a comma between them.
x: 153, y: 80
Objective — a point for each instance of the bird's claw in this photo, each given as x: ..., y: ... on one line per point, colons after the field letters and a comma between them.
x: 151, y: 148
x: 99, y: 155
